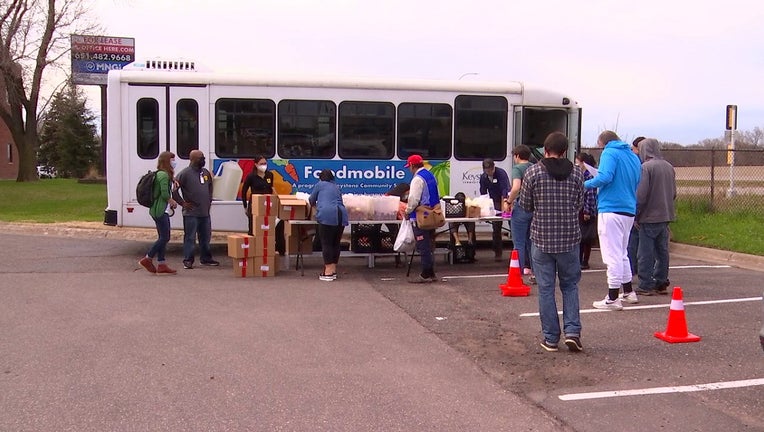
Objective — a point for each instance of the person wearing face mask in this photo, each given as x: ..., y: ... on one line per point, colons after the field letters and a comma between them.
x: 164, y: 205
x: 259, y: 181
x: 195, y: 183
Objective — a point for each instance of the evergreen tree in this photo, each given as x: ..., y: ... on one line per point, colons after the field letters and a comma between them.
x: 68, y: 139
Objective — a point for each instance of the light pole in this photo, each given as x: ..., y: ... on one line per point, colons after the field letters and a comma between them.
x: 468, y: 73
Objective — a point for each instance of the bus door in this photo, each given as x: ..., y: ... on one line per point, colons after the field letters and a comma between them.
x: 574, y: 132
x: 146, y: 134
x: 162, y: 118
x: 187, y: 106
x: 533, y: 124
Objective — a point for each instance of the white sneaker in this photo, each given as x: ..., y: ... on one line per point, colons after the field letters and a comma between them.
x: 608, y: 304
x: 629, y: 298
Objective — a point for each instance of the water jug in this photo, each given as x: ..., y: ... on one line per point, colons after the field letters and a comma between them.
x: 225, y: 184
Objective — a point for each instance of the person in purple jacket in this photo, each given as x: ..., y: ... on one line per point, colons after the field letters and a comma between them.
x: 494, y: 181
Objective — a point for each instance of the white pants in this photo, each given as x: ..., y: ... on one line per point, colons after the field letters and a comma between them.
x: 614, y: 230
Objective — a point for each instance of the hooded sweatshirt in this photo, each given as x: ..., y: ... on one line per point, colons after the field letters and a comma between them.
x: 617, y: 179
x: 657, y: 188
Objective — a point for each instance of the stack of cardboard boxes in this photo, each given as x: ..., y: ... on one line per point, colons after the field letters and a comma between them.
x: 255, y: 255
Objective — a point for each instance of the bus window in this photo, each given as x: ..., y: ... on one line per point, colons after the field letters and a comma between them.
x: 424, y: 129
x: 147, y: 110
x: 245, y: 128
x: 366, y: 130
x: 481, y: 127
x: 307, y: 129
x: 187, y: 113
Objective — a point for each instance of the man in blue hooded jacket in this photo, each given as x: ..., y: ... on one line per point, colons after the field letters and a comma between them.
x: 617, y: 179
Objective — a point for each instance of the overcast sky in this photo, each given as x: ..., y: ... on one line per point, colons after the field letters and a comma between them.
x: 665, y: 69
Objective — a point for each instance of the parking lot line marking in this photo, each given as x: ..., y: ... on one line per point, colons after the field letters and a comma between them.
x: 660, y: 390
x: 699, y: 266
x: 503, y: 275
x: 629, y: 308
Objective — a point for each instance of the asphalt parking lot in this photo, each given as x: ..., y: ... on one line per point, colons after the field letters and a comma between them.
x: 91, y: 344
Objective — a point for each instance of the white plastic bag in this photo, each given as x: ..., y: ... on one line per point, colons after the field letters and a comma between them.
x: 486, y: 205
x: 405, y: 241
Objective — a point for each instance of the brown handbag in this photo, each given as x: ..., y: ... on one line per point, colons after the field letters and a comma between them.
x: 428, y: 218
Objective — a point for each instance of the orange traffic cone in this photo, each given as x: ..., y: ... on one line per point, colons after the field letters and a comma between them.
x: 676, y: 330
x: 514, y: 286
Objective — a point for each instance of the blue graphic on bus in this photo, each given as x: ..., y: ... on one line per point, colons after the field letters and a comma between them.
x: 352, y: 176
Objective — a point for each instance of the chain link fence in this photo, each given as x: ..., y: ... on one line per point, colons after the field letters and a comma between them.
x: 716, y: 179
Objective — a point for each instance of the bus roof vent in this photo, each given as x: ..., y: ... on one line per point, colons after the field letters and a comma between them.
x: 166, y: 65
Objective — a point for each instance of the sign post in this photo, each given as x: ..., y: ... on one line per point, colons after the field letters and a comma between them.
x: 92, y: 59
x: 731, y: 125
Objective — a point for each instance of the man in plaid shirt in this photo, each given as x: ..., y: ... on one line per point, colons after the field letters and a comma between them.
x: 553, y: 190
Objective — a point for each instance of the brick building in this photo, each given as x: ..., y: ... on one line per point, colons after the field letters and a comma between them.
x: 9, y: 156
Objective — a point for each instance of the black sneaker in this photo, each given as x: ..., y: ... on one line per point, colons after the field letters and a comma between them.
x: 548, y: 346
x: 210, y: 263
x: 188, y: 264
x: 574, y: 343
x: 663, y: 288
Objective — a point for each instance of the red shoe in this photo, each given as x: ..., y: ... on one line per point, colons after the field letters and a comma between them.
x: 148, y: 264
x: 163, y: 269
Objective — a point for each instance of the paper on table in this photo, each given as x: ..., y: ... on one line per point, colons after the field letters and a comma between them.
x: 593, y: 171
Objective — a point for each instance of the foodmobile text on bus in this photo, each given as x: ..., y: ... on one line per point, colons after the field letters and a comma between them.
x: 363, y: 129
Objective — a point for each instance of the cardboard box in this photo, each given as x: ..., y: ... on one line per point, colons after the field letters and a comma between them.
x: 264, y: 205
x: 256, y: 266
x: 473, y: 211
x: 304, y: 246
x: 293, y: 209
x: 239, y: 245
x: 299, y: 238
x: 264, y: 244
x: 262, y: 224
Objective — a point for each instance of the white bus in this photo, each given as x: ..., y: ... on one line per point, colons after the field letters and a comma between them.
x: 363, y: 129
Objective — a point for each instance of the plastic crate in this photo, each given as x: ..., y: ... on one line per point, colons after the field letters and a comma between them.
x: 454, y: 207
x: 386, y: 242
x: 463, y: 253
x: 365, y: 238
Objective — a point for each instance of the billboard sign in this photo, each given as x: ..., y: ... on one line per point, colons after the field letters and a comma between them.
x: 94, y: 56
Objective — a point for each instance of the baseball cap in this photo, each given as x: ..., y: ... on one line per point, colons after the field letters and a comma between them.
x: 413, y: 159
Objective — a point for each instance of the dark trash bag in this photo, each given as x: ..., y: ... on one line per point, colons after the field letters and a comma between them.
x: 589, y: 230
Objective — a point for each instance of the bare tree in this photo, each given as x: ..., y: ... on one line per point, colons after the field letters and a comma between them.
x: 754, y: 138
x: 34, y: 35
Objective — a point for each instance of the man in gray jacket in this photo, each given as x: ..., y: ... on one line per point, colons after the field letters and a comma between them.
x: 195, y: 183
x: 655, y: 209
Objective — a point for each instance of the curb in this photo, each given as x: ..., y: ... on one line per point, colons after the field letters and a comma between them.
x: 97, y: 230
x: 735, y: 259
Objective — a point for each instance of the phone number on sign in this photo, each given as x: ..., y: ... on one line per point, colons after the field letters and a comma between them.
x: 102, y: 57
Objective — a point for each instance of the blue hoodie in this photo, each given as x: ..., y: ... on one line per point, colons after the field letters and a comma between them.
x: 617, y: 179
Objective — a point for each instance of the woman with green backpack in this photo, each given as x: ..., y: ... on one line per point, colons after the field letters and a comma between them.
x: 162, y: 207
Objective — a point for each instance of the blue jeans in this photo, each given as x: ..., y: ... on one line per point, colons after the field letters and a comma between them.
x: 653, y: 255
x: 520, y: 226
x: 201, y: 227
x: 632, y: 249
x: 424, y: 248
x: 567, y: 267
x: 159, y: 247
